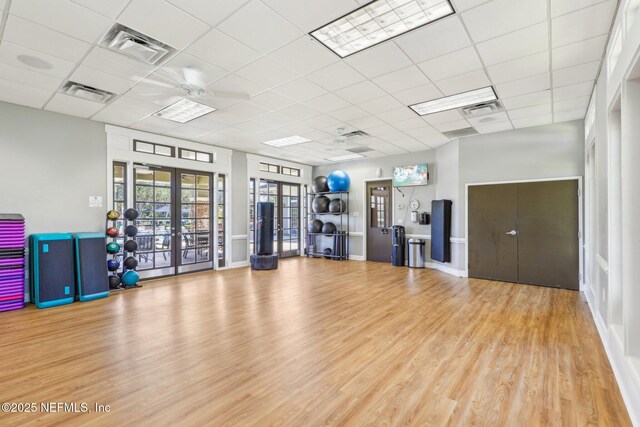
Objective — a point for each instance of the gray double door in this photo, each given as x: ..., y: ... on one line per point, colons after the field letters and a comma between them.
x: 525, y: 233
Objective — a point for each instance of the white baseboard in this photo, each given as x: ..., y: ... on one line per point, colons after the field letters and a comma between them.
x: 356, y: 258
x: 446, y: 269
x: 240, y: 264
x: 623, y: 369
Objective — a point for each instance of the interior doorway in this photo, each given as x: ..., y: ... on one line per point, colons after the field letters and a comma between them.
x: 525, y: 232
x: 379, y: 217
x: 286, y: 198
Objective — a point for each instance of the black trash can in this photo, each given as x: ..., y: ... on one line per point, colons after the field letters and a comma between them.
x: 397, y: 245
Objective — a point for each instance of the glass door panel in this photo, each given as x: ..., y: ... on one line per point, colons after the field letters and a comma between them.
x: 286, y: 200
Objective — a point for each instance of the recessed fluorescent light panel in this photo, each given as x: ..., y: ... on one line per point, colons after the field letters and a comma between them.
x: 285, y: 142
x: 378, y: 21
x: 452, y: 102
x: 345, y: 157
x: 184, y: 111
x: 134, y: 44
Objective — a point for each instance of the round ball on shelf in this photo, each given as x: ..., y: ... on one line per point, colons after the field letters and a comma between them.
x: 329, y: 228
x: 114, y: 282
x: 321, y: 204
x: 113, y: 248
x: 113, y: 265
x: 130, y: 263
x: 315, y: 226
x: 113, y: 232
x: 113, y: 214
x: 131, y: 231
x: 319, y: 184
x: 338, y: 181
x: 130, y: 278
x: 327, y: 253
x: 130, y: 246
x: 337, y: 206
x: 131, y: 214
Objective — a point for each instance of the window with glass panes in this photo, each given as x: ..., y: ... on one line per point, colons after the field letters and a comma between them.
x: 221, y: 219
x: 195, y: 217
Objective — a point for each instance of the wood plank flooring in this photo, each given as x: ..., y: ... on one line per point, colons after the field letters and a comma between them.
x: 315, y: 342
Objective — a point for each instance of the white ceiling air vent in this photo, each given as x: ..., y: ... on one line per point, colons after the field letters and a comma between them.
x: 136, y: 45
x: 460, y: 133
x: 355, y: 133
x: 482, y: 109
x: 87, y: 92
x: 359, y: 150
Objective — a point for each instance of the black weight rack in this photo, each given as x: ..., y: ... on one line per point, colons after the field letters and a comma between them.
x: 339, y: 241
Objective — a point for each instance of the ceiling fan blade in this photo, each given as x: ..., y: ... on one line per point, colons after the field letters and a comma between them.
x: 194, y: 77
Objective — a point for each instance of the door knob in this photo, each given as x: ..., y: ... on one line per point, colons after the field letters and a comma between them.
x: 512, y: 233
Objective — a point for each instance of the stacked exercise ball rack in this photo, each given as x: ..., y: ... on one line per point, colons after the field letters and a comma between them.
x: 128, y: 277
x: 328, y: 217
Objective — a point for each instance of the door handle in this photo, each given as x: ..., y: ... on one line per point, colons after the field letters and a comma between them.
x: 512, y: 233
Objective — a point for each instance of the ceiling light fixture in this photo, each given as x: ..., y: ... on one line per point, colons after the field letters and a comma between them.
x: 345, y: 157
x: 452, y: 102
x: 184, y: 111
x: 379, y: 21
x: 285, y: 142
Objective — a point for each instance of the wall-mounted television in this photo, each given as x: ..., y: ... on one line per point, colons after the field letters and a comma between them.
x: 406, y: 176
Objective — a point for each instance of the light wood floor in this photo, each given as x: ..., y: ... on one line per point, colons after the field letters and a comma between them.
x: 316, y: 342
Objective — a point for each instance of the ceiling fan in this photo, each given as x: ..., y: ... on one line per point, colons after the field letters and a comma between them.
x: 341, y: 138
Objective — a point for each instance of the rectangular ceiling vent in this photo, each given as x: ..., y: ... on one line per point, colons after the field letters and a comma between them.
x: 355, y: 133
x: 136, y: 45
x: 482, y: 109
x: 460, y: 133
x: 87, y: 92
x: 359, y: 150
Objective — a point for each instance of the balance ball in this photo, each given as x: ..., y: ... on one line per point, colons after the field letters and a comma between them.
x: 131, y: 230
x: 114, y: 282
x: 337, y: 206
x: 327, y: 253
x: 319, y: 184
x: 113, y: 265
x: 113, y: 248
x: 130, y: 262
x: 131, y: 214
x: 130, y: 278
x: 321, y: 204
x: 338, y: 181
x: 130, y: 246
x: 329, y: 228
x: 315, y: 226
x: 113, y: 232
x: 113, y: 214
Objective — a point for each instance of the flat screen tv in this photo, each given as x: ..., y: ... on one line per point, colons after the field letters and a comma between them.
x: 406, y: 176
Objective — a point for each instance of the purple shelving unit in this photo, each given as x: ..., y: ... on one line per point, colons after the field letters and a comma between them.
x: 12, y: 261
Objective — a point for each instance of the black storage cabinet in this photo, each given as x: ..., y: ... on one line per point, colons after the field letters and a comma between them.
x: 441, y: 230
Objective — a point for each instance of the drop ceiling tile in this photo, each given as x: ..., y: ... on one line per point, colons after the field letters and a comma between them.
x: 10, y: 52
x: 155, y: 125
x: 272, y: 101
x: 462, y: 5
x: 137, y: 106
x: 187, y: 131
x: 519, y: 68
x: 366, y: 123
x: 567, y: 116
x: 360, y: 92
x: 163, y: 21
x: 489, y: 118
x: 382, y: 104
x: 527, y: 100
x: 451, y: 126
x: 571, y: 104
x: 101, y: 80
x: 464, y: 82
x: 500, y: 17
x: 42, y: 39
x: 63, y: 16
x: 532, y: 121
x: 221, y: 50
x: 298, y: 112
x: 451, y: 64
x: 577, y: 74
x: 433, y: 40
x: 494, y: 127
x: 300, y: 90
x: 427, y: 135
x: 583, y: 24
x: 267, y: 72
x: 336, y: 76
x: 327, y: 103
x: 246, y: 110
x: 322, y: 121
x: 562, y: 7
x: 2, y: 4
x: 117, y: 116
x: 210, y: 11
x: 443, y: 117
x: 387, y: 148
x: 304, y: 55
x: 573, y: 91
x: 579, y: 53
x: 309, y: 15
x: 155, y: 89
x: 409, y: 124
x: 27, y: 77
x: 73, y: 106
x: 524, y: 86
x: 406, y: 142
x: 398, y: 81
x: 259, y: 27
x: 236, y: 84
x: 381, y: 59
x: 515, y: 45
x: 174, y: 70
x: 349, y: 113
x: 226, y: 118
x: 119, y: 65
x: 28, y: 95
x: 418, y: 94
x: 206, y: 122
x: 527, y: 112
x: 110, y: 9
x: 396, y: 115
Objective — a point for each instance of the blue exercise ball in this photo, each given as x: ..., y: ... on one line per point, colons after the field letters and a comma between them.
x: 338, y: 181
x: 130, y: 278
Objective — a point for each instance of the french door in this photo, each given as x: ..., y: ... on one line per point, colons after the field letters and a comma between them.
x: 176, y: 222
x: 286, y: 227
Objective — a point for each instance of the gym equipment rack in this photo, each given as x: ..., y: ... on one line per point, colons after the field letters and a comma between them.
x: 12, y: 261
